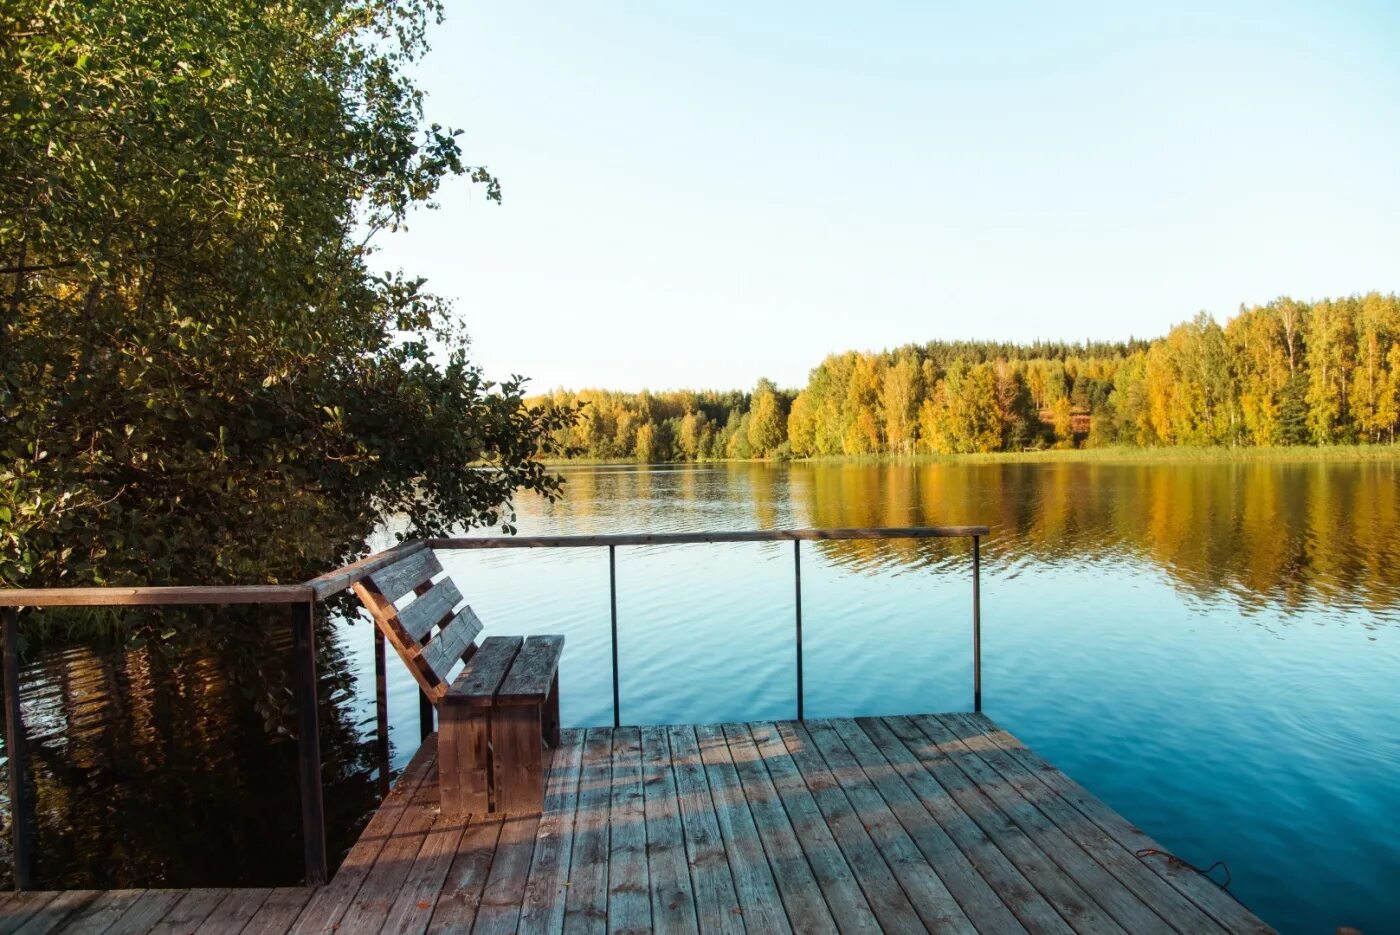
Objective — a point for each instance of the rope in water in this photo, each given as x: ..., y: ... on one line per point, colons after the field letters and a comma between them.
x: 1176, y: 861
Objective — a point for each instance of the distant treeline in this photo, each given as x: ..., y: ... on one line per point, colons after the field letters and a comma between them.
x: 1286, y: 373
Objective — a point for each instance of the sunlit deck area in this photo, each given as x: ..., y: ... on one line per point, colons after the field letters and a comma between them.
x: 938, y: 822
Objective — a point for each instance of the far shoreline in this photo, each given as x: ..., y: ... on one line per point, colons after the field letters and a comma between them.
x: 1120, y: 454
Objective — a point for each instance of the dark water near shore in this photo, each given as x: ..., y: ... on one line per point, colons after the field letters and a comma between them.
x: 1214, y: 649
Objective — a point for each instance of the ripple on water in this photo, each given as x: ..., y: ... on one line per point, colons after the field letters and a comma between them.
x: 1212, y: 649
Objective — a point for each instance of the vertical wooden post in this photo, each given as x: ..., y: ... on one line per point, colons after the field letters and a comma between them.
x: 464, y: 758
x: 517, y: 760
x: 14, y: 750
x: 612, y: 593
x: 381, y: 712
x: 797, y: 594
x: 976, y: 624
x: 313, y: 812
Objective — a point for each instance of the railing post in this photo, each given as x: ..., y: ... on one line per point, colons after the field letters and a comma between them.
x: 313, y: 813
x: 381, y: 712
x: 976, y: 624
x: 612, y: 594
x: 797, y: 595
x: 14, y: 750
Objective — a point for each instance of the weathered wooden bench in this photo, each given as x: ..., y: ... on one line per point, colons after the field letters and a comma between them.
x: 493, y: 717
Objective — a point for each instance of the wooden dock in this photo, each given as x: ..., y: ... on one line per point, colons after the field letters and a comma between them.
x: 900, y: 824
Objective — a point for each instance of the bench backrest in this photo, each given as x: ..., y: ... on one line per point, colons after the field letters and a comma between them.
x: 430, y: 633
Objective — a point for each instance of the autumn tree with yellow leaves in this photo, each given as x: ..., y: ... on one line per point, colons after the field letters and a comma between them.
x: 1284, y: 373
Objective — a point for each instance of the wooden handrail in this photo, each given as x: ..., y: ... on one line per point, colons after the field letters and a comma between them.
x: 333, y: 582
x: 691, y: 538
x: 316, y: 589
x: 153, y: 597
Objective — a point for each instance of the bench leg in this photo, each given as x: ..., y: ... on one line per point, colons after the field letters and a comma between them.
x: 518, y: 761
x: 551, y: 715
x: 463, y: 735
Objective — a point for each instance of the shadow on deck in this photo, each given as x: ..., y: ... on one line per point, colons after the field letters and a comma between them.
x: 945, y: 823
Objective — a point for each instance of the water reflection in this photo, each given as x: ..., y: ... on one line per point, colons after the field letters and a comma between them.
x: 1291, y: 535
x: 160, y: 765
x: 1207, y: 646
x: 1259, y: 534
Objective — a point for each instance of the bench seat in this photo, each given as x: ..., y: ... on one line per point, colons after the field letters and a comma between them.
x: 491, y: 723
x: 495, y: 715
x: 509, y: 670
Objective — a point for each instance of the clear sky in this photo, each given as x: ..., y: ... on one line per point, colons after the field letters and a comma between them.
x: 702, y: 194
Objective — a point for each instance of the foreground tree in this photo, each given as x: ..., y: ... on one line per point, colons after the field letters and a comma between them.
x: 203, y: 380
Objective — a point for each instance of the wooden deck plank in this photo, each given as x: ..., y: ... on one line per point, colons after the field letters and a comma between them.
x: 921, y: 881
x: 943, y: 822
x: 979, y: 902
x: 1222, y: 906
x: 499, y: 912
x: 279, y: 911
x: 322, y: 913
x: 461, y: 891
x: 1024, y: 901
x: 672, y: 896
x: 142, y: 915
x: 63, y: 907
x: 99, y: 914
x: 759, y: 901
x: 716, y: 903
x: 370, y: 908
x: 629, y: 883
x: 844, y: 898
x: 236, y: 910
x: 586, y: 908
x: 1125, y: 908
x: 797, y: 887
x: 885, y: 896
x: 1069, y: 900
x: 18, y: 908
x: 190, y: 912
x: 412, y: 909
x: 1117, y: 900
x: 548, y: 883
x: 1178, y: 911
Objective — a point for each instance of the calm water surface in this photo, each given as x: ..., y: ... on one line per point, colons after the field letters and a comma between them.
x: 1213, y: 649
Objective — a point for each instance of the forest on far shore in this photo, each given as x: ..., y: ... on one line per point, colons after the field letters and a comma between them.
x: 1285, y: 373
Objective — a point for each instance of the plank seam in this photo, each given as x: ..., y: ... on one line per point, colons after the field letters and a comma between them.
x: 1123, y: 875
x: 1018, y: 830
x: 746, y: 734
x: 895, y: 776
x: 748, y: 809
x: 994, y: 840
x: 1027, y: 758
x: 870, y: 897
x: 836, y: 739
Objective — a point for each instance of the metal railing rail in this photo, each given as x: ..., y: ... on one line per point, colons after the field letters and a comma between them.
x: 301, y: 598
x: 795, y: 536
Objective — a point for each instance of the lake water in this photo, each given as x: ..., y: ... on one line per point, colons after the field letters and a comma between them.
x: 1211, y: 648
